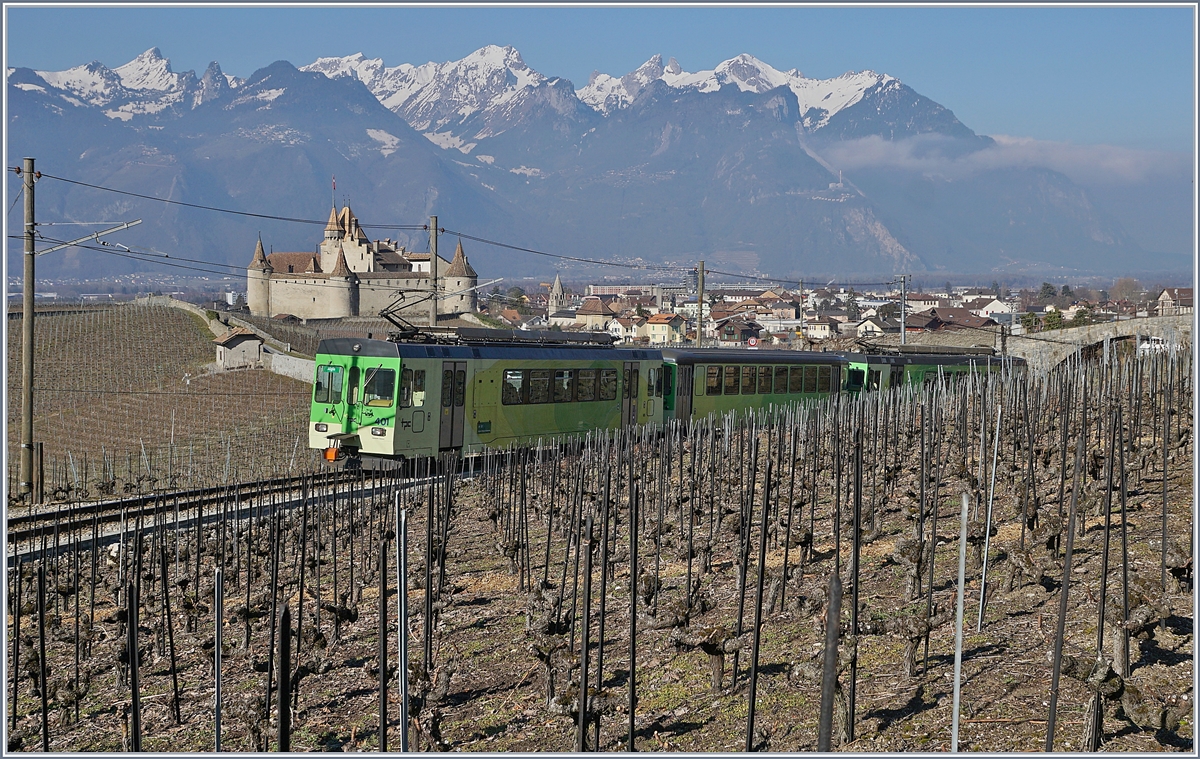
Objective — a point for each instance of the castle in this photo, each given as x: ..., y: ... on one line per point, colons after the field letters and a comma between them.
x: 349, y: 275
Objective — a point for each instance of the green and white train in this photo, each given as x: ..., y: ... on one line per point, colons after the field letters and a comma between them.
x: 377, y: 400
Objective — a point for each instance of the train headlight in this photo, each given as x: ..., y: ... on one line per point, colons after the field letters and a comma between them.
x: 378, y: 431
x: 322, y: 427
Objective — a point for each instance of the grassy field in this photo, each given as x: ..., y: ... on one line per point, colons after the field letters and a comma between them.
x: 121, y: 397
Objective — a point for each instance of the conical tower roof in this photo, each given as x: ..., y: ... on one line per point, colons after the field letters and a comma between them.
x: 556, y: 288
x: 459, y: 267
x: 333, y: 224
x: 346, y: 219
x: 340, y: 269
x: 260, y: 257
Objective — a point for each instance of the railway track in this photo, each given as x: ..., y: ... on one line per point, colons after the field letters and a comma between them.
x: 35, y: 531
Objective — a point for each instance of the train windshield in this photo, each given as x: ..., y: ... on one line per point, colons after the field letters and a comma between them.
x: 328, y: 387
x: 379, y: 389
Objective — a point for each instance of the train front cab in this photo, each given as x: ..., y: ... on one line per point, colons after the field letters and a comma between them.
x: 355, y: 400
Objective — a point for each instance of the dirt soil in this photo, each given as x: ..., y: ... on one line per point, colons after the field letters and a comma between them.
x: 496, y: 698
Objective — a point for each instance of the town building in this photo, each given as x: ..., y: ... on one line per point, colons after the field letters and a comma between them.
x: 1173, y: 301
x: 594, y: 313
x: 627, y: 329
x: 239, y: 348
x: 665, y: 329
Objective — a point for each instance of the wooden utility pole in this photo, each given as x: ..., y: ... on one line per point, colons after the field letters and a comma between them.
x: 433, y: 267
x: 26, y: 472
x: 700, y: 306
x: 802, y: 335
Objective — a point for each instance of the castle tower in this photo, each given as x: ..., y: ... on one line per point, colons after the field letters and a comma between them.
x: 460, y: 278
x: 343, y: 290
x: 333, y: 229
x: 558, y: 298
x: 258, y: 282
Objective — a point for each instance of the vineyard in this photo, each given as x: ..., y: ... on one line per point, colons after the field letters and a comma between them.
x: 122, y: 404
x: 785, y: 581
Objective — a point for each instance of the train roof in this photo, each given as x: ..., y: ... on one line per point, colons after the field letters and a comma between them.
x: 935, y: 359
x: 346, y: 346
x: 747, y: 356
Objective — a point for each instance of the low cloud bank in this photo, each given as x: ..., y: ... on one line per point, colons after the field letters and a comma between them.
x: 937, y: 155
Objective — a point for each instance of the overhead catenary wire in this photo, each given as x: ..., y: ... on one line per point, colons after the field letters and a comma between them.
x: 577, y: 259
x: 202, y: 207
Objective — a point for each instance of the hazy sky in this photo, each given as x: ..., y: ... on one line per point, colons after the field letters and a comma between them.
x: 1081, y: 75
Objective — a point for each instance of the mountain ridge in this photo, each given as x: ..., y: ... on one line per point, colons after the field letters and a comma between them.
x: 731, y: 162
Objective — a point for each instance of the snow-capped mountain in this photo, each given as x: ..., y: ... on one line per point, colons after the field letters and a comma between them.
x: 736, y: 164
x: 461, y: 104
x: 457, y: 103
x: 146, y: 85
x: 819, y: 99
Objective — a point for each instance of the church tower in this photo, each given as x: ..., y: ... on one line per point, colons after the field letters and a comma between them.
x: 558, y: 299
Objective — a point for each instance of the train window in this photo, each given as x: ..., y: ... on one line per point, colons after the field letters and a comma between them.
x: 562, y: 385
x: 634, y: 383
x: 406, y: 388
x: 419, y: 388
x: 539, y: 386
x: 873, y: 379
x: 654, y: 383
x: 796, y: 380
x: 731, y: 380
x: 328, y: 385
x: 447, y: 387
x: 764, y: 379
x: 749, y: 379
x: 352, y: 385
x: 823, y: 378
x: 585, y: 385
x: 380, y: 387
x: 412, y: 388
x: 781, y: 379
x: 626, y: 384
x: 712, y: 381
x: 835, y: 379
x: 460, y: 387
x: 810, y: 379
x: 608, y: 384
x: 512, y: 392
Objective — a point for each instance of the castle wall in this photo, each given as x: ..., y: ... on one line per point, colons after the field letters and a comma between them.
x: 309, y: 297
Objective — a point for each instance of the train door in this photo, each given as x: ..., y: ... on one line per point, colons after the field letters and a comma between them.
x: 453, y: 409
x: 629, y: 393
x: 353, y: 398
x: 897, y: 376
x: 683, y: 398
